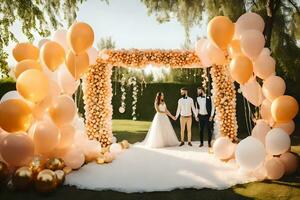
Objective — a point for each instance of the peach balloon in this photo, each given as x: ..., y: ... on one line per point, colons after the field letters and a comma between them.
x: 92, y: 149
x: 264, y: 66
x: 288, y: 127
x: 249, y: 21
x: 290, y: 162
x: 24, y: 51
x: 234, y: 48
x: 277, y: 141
x: 15, y: 115
x: 223, y: 25
x: 265, y: 111
x: 202, y: 53
x: 25, y: 65
x: 260, y: 131
x: 275, y: 168
x: 46, y: 136
x: 265, y: 51
x: 215, y: 54
x: 223, y: 148
x: 252, y: 43
x: 66, y: 81
x: 67, y: 132
x: 241, y: 69
x: 60, y: 36
x: 17, y: 149
x: 93, y: 55
x: 52, y: 55
x: 80, y: 37
x: 74, y: 158
x: 33, y: 85
x: 77, y: 64
x: 273, y: 87
x: 284, y: 108
x: 252, y: 92
x: 63, y: 110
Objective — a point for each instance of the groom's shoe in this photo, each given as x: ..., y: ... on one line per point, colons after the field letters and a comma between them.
x: 181, y: 144
x: 201, y: 145
x: 190, y: 144
x: 209, y: 145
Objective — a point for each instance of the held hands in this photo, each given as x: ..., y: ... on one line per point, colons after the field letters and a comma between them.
x: 197, y: 119
x: 210, y: 118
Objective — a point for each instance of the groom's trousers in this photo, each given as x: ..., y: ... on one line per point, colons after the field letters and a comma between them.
x: 186, y: 122
x: 205, y: 123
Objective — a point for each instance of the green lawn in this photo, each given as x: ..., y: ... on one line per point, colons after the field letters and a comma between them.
x: 285, y: 189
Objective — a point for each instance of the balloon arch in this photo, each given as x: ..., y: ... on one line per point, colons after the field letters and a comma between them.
x: 98, y: 91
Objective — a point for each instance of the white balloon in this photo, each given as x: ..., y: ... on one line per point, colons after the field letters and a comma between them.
x: 93, y: 55
x: 66, y: 81
x: 277, y: 141
x: 60, y: 36
x: 11, y: 95
x: 203, y: 53
x: 115, y: 148
x: 223, y: 148
x: 250, y: 153
x: 260, y: 131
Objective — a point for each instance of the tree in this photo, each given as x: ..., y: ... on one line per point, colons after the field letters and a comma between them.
x: 106, y: 43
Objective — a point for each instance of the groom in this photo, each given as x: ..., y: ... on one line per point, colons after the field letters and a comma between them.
x: 185, y: 109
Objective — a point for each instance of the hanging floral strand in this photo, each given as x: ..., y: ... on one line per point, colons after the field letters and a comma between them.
x: 133, y: 82
x: 122, y: 108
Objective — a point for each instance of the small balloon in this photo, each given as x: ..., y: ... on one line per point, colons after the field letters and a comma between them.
x: 46, y: 181
x: 223, y: 148
x: 252, y: 92
x: 290, y: 162
x: 74, y: 158
x: 66, y: 81
x: 25, y: 65
x: 241, y: 69
x: 260, y: 131
x: 273, y: 87
x: 55, y: 164
x: 288, y: 127
x: 24, y: 51
x: 284, y: 108
x: 249, y: 21
x: 11, y: 95
x: 60, y: 36
x: 52, y: 55
x: 252, y: 43
x: 264, y: 66
x: 93, y: 55
x: 60, y: 177
x: 277, y: 141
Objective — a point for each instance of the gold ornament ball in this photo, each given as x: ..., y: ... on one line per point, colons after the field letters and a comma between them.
x: 55, y: 164
x: 22, y: 178
x: 67, y: 170
x: 46, y: 181
x: 60, y: 177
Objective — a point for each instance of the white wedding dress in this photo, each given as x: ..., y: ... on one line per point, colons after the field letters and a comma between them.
x: 161, y: 132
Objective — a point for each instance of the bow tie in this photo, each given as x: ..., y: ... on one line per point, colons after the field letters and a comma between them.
x: 185, y: 97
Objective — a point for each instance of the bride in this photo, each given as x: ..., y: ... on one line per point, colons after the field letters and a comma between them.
x: 161, y: 132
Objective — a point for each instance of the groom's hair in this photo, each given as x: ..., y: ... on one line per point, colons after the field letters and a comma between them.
x: 184, y: 89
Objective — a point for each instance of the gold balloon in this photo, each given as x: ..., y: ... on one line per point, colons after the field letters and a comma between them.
x: 33, y: 85
x: 55, y: 164
x: 36, y: 165
x: 80, y: 37
x: 25, y: 65
x: 77, y: 64
x: 284, y: 108
x: 23, y: 178
x: 24, y: 51
x: 241, y: 69
x: 220, y: 30
x: 53, y: 55
x: 67, y: 170
x: 46, y: 181
x: 15, y: 115
x: 60, y: 177
x: 4, y: 172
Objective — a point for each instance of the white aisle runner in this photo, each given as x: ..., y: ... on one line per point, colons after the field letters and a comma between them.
x: 140, y: 169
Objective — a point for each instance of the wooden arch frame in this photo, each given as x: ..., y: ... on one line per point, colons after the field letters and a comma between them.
x: 98, y: 89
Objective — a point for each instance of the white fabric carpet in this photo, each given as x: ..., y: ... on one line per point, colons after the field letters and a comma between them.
x: 141, y: 169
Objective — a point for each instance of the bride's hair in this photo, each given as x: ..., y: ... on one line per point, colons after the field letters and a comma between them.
x: 158, y: 99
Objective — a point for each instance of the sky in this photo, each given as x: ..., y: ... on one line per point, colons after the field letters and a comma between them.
x: 128, y: 23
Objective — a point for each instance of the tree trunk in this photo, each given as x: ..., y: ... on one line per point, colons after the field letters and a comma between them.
x: 271, y: 7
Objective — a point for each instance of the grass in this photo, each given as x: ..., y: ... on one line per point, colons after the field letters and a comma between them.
x: 288, y: 188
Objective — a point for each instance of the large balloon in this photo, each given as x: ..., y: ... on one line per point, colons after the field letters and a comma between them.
x: 46, y: 136
x: 252, y: 92
x: 77, y: 64
x: 234, y: 48
x: 290, y: 162
x: 17, y: 149
x: 66, y: 136
x: 273, y: 87
x: 25, y: 65
x: 288, y: 127
x: 11, y: 95
x: 24, y: 51
x: 275, y: 168
x: 93, y: 55
x: 220, y: 31
x: 74, y: 158
x: 63, y: 111
x: 260, y: 131
x: 215, y: 54
x: 265, y: 111
x: 60, y: 36
x: 202, y: 53
x: 223, y: 148
x: 264, y: 66
x: 33, y: 85
x: 241, y: 69
x: 52, y: 55
x: 252, y: 43
x: 250, y: 153
x: 249, y: 21
x: 277, y: 141
x: 80, y: 37
x: 66, y: 81
x: 15, y: 115
x: 284, y: 108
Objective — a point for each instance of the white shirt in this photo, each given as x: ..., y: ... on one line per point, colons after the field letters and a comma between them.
x: 185, y: 107
x: 202, y: 106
